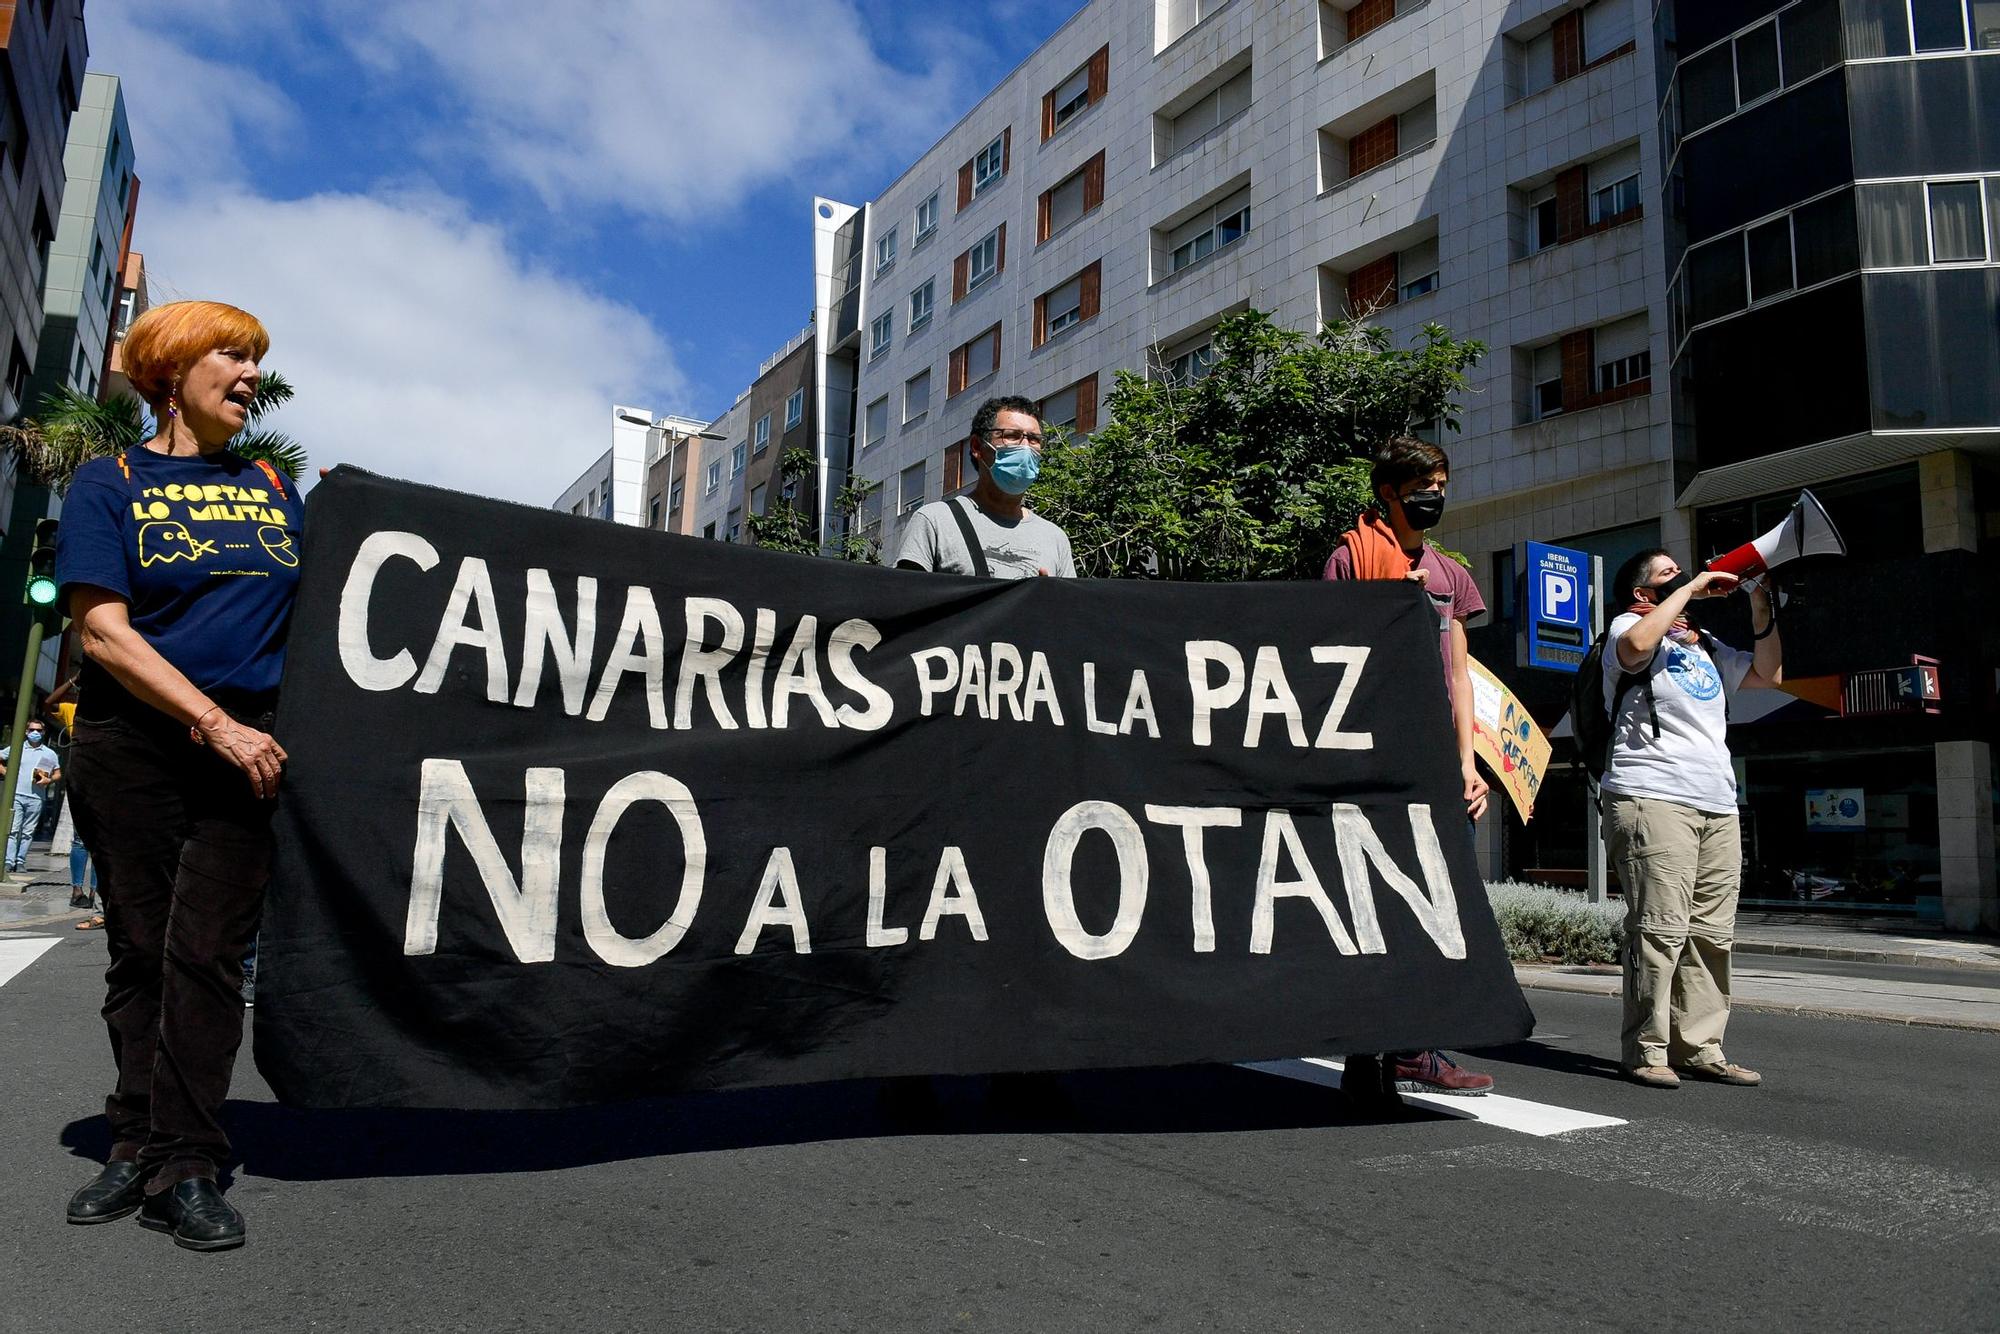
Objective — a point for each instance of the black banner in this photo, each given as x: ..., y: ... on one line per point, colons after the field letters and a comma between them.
x: 577, y: 812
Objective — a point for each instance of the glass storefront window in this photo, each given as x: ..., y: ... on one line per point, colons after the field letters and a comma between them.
x: 1841, y: 831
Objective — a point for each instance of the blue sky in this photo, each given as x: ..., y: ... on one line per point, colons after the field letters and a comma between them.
x: 472, y: 228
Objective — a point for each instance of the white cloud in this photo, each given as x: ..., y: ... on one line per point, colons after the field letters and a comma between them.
x: 669, y: 108
x: 422, y: 341
x: 420, y: 345
x: 193, y: 118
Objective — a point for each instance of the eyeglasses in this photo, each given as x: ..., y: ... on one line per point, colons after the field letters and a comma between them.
x: 1011, y: 436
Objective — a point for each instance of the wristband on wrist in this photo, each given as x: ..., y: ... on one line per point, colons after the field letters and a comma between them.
x: 195, y: 733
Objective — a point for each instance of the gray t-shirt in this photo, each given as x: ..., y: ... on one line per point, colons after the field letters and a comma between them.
x: 1689, y: 761
x: 1018, y: 550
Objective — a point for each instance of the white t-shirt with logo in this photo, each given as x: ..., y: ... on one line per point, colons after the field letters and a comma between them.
x: 1689, y: 761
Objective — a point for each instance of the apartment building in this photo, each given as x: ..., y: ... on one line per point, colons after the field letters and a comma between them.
x: 1155, y: 167
x: 1590, y: 189
x: 673, y: 455
x: 613, y: 486
x: 784, y: 413
x: 1833, y: 177
x: 99, y: 203
x: 78, y: 299
x: 42, y: 54
x: 134, y: 300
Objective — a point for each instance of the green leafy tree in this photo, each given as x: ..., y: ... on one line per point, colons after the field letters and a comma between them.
x: 1253, y: 471
x: 785, y: 526
x: 70, y: 429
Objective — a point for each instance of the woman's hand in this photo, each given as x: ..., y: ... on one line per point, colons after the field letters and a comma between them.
x: 1712, y: 584
x: 256, y: 753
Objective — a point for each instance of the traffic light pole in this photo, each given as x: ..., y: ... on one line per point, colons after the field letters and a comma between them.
x: 23, y: 699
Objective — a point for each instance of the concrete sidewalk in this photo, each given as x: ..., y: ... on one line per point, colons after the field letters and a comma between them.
x: 1872, y: 941
x: 1974, y: 1006
x: 41, y: 898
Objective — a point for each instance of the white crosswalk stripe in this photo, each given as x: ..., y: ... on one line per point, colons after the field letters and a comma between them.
x: 1494, y: 1109
x: 17, y: 952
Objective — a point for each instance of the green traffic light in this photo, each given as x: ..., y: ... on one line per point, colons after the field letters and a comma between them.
x: 42, y: 591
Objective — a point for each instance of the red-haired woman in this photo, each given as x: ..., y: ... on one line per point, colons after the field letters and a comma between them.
x: 180, y: 561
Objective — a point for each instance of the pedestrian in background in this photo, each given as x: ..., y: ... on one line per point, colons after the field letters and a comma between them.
x: 991, y: 531
x: 179, y: 560
x: 1670, y: 813
x: 28, y: 783
x: 1408, y: 479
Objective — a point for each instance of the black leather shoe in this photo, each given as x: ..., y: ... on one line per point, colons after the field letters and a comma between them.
x: 197, y: 1215
x: 111, y: 1195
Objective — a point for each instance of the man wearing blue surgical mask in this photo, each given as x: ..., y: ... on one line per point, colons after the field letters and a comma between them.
x: 989, y: 531
x: 27, y: 785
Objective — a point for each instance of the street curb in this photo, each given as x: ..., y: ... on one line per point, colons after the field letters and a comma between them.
x: 1580, y: 987
x: 1850, y: 954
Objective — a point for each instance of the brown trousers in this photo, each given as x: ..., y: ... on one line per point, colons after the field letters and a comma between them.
x: 1681, y: 869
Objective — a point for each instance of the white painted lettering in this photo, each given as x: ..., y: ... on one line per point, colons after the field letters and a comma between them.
x: 1280, y: 831
x: 616, y: 949
x: 363, y: 667
x: 526, y: 907
x: 1058, y: 897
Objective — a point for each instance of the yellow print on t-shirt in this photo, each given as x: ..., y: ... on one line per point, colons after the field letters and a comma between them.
x: 169, y: 517
x: 166, y: 541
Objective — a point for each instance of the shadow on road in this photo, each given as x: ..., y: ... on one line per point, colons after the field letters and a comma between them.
x: 291, y: 1144
x: 1544, y: 1057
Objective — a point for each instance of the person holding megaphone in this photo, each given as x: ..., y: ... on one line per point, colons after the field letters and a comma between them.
x: 1670, y: 810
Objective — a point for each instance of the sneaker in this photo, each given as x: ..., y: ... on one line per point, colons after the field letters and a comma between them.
x: 1434, y: 1072
x: 1723, y: 1072
x: 1654, y: 1076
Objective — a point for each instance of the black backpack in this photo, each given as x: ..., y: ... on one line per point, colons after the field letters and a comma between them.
x: 1592, y: 722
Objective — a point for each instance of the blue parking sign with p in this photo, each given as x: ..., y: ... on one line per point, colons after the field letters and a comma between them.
x: 1562, y: 600
x: 1558, y: 611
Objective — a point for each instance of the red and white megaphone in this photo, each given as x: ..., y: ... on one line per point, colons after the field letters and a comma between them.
x: 1806, y: 531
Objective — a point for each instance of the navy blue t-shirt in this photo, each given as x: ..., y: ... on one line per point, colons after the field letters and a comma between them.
x: 205, y: 550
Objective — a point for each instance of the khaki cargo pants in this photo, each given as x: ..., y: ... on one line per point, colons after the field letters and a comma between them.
x: 1681, y: 870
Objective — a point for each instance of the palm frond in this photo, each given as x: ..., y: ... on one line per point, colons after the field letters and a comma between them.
x: 282, y: 452
x: 273, y: 392
x: 70, y: 430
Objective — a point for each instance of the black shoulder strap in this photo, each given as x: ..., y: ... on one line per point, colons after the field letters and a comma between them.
x: 972, y: 547
x: 1626, y: 680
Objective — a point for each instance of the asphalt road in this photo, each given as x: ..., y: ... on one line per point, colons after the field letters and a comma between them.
x: 1859, y: 1189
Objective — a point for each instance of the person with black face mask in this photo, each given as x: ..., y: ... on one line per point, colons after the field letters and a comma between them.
x: 1409, y: 480
x: 1670, y: 814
